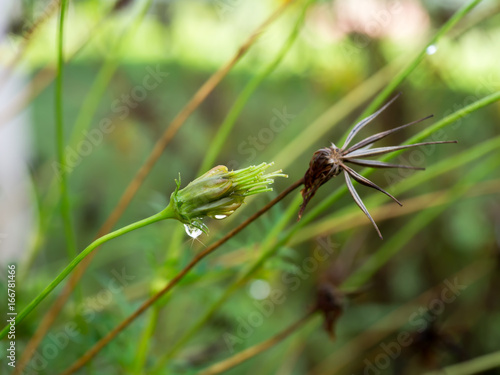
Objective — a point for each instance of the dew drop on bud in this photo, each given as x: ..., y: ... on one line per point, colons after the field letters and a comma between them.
x: 220, y: 217
x: 191, y: 231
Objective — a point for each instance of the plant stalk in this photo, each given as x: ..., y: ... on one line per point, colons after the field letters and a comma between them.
x: 167, y: 213
x: 92, y: 352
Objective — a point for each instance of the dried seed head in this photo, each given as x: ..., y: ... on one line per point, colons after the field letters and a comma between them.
x: 324, y: 165
x: 329, y: 162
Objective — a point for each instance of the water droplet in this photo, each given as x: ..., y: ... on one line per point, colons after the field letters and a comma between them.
x: 191, y: 231
x: 431, y: 50
x: 260, y: 289
x: 220, y: 217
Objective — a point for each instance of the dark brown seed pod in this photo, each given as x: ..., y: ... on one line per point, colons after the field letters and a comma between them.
x: 327, y: 163
x: 330, y: 301
x: 323, y: 166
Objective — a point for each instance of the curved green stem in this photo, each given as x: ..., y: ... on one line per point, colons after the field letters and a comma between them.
x: 167, y: 213
x: 82, y: 123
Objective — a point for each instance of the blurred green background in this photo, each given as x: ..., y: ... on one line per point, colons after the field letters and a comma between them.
x: 343, y: 54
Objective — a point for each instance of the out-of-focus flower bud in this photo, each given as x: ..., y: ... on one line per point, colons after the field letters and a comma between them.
x: 219, y: 192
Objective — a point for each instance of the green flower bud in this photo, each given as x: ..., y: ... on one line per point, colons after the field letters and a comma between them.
x: 218, y: 193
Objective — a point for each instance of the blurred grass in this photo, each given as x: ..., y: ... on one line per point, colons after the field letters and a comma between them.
x: 83, y: 122
x: 473, y: 366
x: 61, y: 174
x: 435, y: 171
x: 401, y: 238
x: 403, y: 74
x: 269, y: 245
x: 234, y: 112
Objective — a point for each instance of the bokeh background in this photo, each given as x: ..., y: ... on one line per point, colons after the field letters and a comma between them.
x: 424, y: 298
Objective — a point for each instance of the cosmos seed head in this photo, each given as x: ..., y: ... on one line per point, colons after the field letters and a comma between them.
x: 327, y: 163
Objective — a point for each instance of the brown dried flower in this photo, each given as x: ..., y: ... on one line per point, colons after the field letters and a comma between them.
x: 327, y: 163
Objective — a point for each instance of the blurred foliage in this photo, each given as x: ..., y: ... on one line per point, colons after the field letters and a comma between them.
x: 335, y: 53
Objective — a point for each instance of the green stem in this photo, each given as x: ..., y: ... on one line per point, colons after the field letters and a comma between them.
x: 418, y: 179
x: 63, y: 180
x: 270, y: 247
x: 101, y: 84
x: 332, y: 198
x: 399, y: 78
x: 331, y: 117
x: 83, y: 121
x: 145, y: 342
x: 230, y: 119
x: 167, y: 213
x: 398, y: 241
x: 274, y: 245
x: 240, y: 102
x: 61, y: 156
